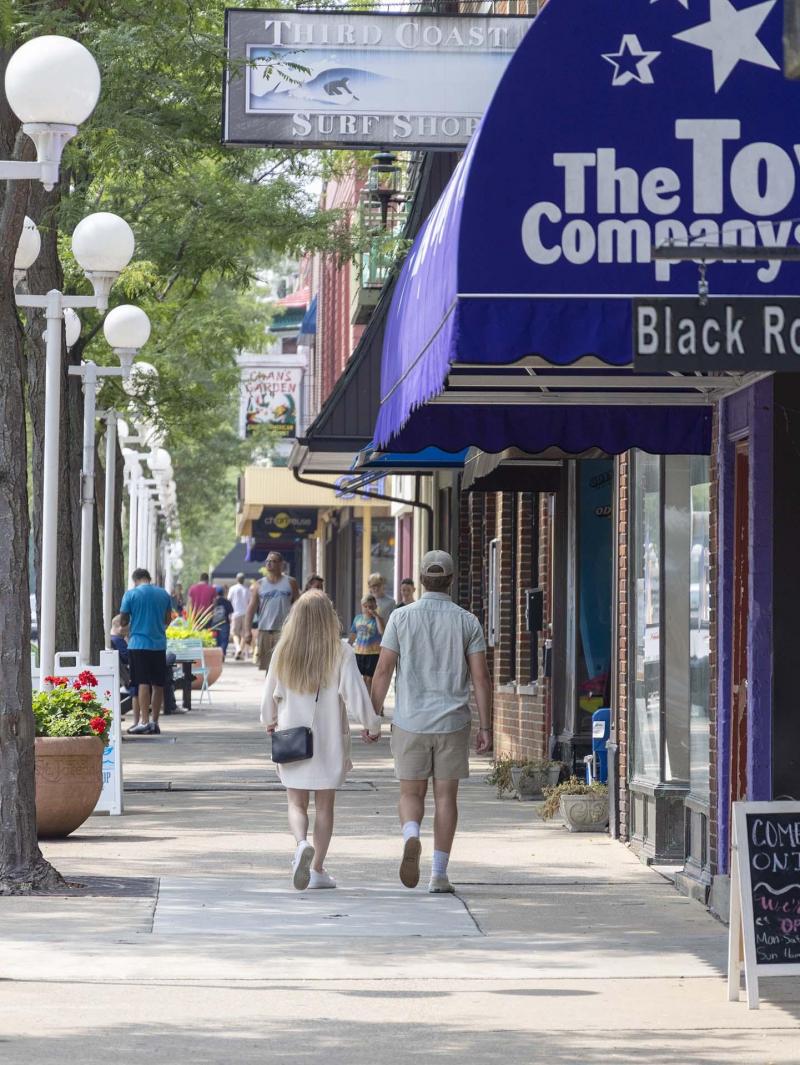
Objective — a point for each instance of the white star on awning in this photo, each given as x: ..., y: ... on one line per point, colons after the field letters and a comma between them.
x: 731, y: 35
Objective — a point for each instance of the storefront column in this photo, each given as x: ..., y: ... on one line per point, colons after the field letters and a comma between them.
x: 366, y: 549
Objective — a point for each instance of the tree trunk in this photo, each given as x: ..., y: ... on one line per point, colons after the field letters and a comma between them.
x: 22, y: 867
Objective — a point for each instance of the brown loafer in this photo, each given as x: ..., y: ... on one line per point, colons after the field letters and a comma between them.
x: 409, y: 866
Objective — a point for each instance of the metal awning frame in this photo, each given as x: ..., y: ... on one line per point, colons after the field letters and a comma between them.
x: 534, y: 381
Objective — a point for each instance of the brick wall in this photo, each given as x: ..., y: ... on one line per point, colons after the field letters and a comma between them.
x: 521, y: 722
x: 713, y: 557
x: 624, y: 470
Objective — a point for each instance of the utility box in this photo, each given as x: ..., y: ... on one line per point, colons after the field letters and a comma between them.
x: 601, y: 732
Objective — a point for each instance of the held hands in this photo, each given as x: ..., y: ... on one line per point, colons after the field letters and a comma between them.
x: 368, y: 738
x: 271, y: 729
x: 483, y: 741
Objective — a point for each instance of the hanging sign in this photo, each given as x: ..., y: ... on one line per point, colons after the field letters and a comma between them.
x: 722, y: 334
x: 270, y: 395
x: 342, y: 79
x: 765, y: 894
x: 279, y: 522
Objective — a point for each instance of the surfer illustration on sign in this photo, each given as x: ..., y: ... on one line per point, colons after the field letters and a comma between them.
x: 327, y: 83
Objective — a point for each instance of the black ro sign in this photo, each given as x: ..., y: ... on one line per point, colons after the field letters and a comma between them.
x: 722, y: 334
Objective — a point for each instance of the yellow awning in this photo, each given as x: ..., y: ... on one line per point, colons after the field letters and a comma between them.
x: 275, y: 486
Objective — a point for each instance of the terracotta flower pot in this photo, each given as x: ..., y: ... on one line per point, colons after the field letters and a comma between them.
x: 214, y: 661
x: 584, y: 813
x: 69, y: 780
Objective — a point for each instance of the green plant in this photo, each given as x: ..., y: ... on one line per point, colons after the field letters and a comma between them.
x: 72, y: 709
x: 194, y: 625
x: 573, y: 786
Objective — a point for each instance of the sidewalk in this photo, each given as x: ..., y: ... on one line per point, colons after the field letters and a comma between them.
x: 189, y: 945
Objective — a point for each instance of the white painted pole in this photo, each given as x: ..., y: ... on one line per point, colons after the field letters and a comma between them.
x: 108, y: 523
x: 133, y: 518
x: 87, y: 514
x: 52, y: 411
x: 143, y: 521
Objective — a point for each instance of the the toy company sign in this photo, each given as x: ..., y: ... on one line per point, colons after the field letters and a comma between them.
x: 633, y: 210
x: 333, y: 78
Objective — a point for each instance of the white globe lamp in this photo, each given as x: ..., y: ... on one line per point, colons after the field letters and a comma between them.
x: 159, y: 460
x: 72, y: 326
x: 127, y: 330
x: 52, y: 84
x: 28, y: 248
x: 103, y: 245
x: 141, y: 375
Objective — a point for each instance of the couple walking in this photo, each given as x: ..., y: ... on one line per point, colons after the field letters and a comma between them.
x: 436, y: 648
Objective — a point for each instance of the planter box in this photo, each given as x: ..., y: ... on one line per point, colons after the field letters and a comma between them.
x: 531, y: 785
x: 584, y: 813
x: 69, y: 779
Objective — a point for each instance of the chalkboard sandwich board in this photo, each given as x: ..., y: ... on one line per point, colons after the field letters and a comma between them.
x: 765, y: 894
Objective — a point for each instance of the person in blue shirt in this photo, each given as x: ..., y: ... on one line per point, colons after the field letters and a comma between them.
x: 147, y: 610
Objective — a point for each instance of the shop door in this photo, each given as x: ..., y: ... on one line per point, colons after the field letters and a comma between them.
x: 741, y: 573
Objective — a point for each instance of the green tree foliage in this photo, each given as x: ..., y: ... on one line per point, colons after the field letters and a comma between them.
x: 207, y: 219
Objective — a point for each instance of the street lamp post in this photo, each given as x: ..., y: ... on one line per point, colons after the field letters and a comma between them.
x: 103, y: 245
x: 126, y: 329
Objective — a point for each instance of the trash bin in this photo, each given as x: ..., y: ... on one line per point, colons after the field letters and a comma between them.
x: 601, y: 732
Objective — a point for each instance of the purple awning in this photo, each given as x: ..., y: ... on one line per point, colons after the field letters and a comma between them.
x: 611, y: 132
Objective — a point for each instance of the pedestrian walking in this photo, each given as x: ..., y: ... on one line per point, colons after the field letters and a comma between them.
x: 315, y: 583
x: 270, y: 602
x: 365, y: 638
x: 239, y: 595
x: 436, y: 648
x: 376, y: 583
x: 201, y: 595
x: 407, y: 592
x: 147, y: 610
x: 221, y: 611
x: 313, y: 682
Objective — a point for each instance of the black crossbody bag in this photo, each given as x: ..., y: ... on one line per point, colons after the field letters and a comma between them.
x: 294, y: 744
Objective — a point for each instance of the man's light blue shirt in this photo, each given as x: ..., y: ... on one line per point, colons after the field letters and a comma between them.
x: 147, y: 607
x: 433, y: 638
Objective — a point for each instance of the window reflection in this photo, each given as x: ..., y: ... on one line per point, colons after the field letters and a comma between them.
x: 646, y: 557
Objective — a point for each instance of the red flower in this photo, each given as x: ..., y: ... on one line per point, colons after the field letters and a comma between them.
x: 59, y: 682
x: 98, y: 725
x: 108, y: 694
x: 88, y: 678
x: 76, y: 684
x: 87, y: 697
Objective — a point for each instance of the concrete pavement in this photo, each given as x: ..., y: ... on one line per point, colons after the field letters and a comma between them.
x: 187, y: 942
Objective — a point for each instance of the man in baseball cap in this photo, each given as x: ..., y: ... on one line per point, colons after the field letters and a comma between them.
x: 437, y: 648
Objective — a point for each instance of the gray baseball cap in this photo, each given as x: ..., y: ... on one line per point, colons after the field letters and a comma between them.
x: 436, y: 564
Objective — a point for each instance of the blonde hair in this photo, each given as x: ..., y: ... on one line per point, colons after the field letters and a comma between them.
x: 310, y: 647
x: 376, y: 578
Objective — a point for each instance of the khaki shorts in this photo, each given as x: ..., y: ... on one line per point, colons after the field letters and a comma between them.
x: 441, y: 755
x: 239, y: 627
x: 266, y: 645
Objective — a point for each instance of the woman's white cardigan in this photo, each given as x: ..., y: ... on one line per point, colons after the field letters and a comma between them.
x: 345, y: 695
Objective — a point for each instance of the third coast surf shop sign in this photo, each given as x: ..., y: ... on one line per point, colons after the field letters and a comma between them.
x: 339, y: 79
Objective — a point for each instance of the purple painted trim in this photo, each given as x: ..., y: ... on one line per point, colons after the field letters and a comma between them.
x: 747, y: 414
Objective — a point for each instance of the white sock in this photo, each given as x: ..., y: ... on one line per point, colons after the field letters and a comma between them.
x: 410, y: 828
x: 440, y: 860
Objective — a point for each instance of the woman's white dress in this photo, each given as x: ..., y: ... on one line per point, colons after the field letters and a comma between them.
x: 345, y: 695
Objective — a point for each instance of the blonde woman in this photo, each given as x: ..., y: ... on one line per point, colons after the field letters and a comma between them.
x: 313, y: 680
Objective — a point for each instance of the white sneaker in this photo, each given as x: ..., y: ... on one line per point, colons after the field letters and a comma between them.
x: 321, y: 880
x: 301, y: 865
x: 440, y: 885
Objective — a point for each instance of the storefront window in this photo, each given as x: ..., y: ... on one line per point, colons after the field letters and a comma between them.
x: 699, y: 615
x: 646, y: 620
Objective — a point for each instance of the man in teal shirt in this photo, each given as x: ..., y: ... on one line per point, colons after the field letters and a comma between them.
x: 147, y: 610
